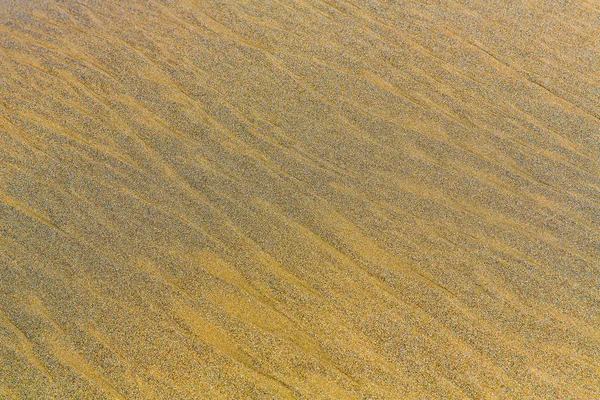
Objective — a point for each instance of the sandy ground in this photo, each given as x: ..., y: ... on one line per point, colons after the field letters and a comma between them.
x: 299, y: 199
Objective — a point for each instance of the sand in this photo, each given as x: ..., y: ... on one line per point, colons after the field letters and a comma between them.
x: 299, y: 199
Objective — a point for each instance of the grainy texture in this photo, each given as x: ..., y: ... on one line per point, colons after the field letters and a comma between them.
x: 303, y: 199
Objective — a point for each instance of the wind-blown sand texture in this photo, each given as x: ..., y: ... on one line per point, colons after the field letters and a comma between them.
x: 299, y: 199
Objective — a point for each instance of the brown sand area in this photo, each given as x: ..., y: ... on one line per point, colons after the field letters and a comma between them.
x: 299, y: 199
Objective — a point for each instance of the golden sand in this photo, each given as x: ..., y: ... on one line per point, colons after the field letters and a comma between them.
x: 299, y: 199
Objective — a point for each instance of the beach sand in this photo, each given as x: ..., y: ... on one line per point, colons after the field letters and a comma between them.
x: 299, y: 199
